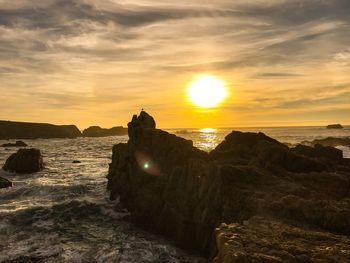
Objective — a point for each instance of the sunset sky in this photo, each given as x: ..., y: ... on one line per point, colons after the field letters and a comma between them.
x: 97, y: 62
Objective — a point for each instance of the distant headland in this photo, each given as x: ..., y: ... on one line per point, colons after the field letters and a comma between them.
x: 96, y: 131
x: 26, y: 130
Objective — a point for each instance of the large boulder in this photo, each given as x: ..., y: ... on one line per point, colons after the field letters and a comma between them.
x: 4, y: 183
x: 24, y: 161
x: 171, y: 187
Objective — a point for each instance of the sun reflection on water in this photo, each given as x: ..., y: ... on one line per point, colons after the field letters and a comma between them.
x: 207, y: 130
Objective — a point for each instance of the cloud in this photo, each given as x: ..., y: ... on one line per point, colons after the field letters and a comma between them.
x: 271, y: 75
x: 83, y: 54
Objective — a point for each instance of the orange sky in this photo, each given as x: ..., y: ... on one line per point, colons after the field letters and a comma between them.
x: 284, y: 62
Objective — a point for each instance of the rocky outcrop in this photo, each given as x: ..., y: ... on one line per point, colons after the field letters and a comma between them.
x: 330, y: 141
x: 96, y: 131
x: 335, y: 126
x: 4, y: 183
x: 25, y: 130
x: 16, y: 144
x: 24, y: 161
x: 171, y: 187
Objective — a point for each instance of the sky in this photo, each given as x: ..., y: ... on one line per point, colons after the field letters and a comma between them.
x: 98, y: 62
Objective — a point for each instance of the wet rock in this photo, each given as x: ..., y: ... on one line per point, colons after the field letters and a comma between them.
x: 16, y: 144
x: 4, y: 183
x: 171, y: 187
x: 24, y: 161
x: 335, y: 126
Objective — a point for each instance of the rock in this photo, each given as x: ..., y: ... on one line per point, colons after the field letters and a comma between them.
x: 325, y: 153
x: 272, y: 241
x: 96, y: 131
x: 76, y: 161
x: 143, y: 121
x: 25, y: 130
x: 4, y: 183
x: 16, y: 144
x: 330, y: 141
x: 172, y: 188
x: 24, y: 161
x: 335, y: 126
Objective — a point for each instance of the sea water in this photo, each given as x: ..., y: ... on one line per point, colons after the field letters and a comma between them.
x: 63, y: 213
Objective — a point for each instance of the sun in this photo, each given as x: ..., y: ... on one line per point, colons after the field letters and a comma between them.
x: 207, y: 91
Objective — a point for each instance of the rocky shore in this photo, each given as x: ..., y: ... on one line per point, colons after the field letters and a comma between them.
x: 252, y: 199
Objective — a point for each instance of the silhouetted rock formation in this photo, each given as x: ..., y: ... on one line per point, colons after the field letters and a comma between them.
x: 330, y: 141
x: 335, y: 126
x: 16, y: 144
x: 25, y: 130
x: 173, y: 188
x: 96, y: 131
x: 4, y: 183
x: 24, y: 161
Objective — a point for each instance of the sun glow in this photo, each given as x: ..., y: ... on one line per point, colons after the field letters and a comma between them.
x: 207, y: 91
x: 207, y: 130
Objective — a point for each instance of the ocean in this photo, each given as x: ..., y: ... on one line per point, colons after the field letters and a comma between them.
x: 63, y: 213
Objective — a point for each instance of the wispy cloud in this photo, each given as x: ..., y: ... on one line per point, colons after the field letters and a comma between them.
x: 90, y: 57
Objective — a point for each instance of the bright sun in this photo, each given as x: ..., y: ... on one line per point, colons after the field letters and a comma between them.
x: 207, y: 91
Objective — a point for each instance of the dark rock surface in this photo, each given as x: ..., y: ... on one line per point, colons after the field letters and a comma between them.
x: 24, y: 161
x: 25, y: 130
x: 4, y: 183
x: 171, y: 187
x: 335, y: 126
x: 96, y: 131
x: 16, y: 144
x: 267, y: 240
x: 76, y: 161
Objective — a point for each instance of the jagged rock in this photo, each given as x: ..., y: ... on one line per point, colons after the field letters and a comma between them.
x: 26, y: 130
x: 24, y: 161
x: 173, y: 188
x: 96, y: 131
x: 16, y: 144
x: 4, y: 183
x: 335, y: 126
x: 143, y: 121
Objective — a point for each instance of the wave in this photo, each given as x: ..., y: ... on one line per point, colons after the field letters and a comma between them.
x: 82, y: 231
